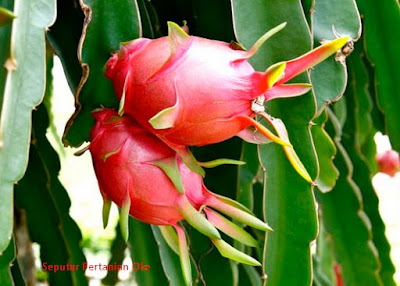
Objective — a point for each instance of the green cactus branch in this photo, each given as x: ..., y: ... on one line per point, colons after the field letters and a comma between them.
x: 169, y: 260
x: 5, y: 37
x: 110, y: 23
x: 329, y: 79
x: 326, y: 151
x: 6, y: 260
x: 355, y: 132
x: 25, y: 85
x: 346, y: 222
x: 324, y: 259
x: 143, y: 248
x: 381, y: 41
x: 283, y: 188
x: 117, y: 250
x: 34, y: 198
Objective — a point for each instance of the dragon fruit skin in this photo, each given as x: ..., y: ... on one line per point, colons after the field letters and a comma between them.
x: 194, y: 91
x: 206, y: 102
x: 129, y: 162
x: 136, y: 169
x: 153, y: 200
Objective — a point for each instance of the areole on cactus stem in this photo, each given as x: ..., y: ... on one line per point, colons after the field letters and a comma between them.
x: 149, y: 181
x: 192, y: 91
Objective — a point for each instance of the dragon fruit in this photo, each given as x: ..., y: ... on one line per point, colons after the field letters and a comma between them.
x: 388, y: 162
x: 147, y: 179
x: 192, y: 91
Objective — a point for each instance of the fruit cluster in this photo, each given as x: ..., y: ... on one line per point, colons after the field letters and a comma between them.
x: 179, y: 91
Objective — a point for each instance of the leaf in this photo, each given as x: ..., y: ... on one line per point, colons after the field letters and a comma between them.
x: 247, y: 174
x: 288, y: 197
x: 64, y: 36
x: 24, y: 89
x: 347, y: 223
x: 378, y: 117
x: 206, y: 257
x: 340, y: 110
x: 363, y: 178
x: 356, y: 130
x: 337, y: 16
x: 16, y: 273
x: 381, y: 43
x: 251, y: 273
x: 332, y: 19
x: 245, y: 195
x: 118, y: 248
x: 326, y: 151
x: 184, y: 255
x: 358, y: 100
x: 6, y: 261
x: 106, y: 25
x: 367, y: 115
x: 369, y: 152
x: 329, y: 80
x: 51, y: 163
x: 220, y: 27
x: 319, y: 279
x: 324, y: 259
x: 5, y: 36
x: 308, y: 8
x: 40, y: 193
x: 144, y: 249
x: 32, y: 196
x: 148, y: 18
x: 6, y: 16
x: 169, y: 260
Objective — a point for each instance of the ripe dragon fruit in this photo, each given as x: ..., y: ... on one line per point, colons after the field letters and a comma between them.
x: 147, y: 179
x: 388, y: 162
x: 192, y: 91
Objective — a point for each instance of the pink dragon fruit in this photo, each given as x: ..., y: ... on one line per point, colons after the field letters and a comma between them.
x: 388, y: 162
x: 146, y: 178
x: 192, y: 91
